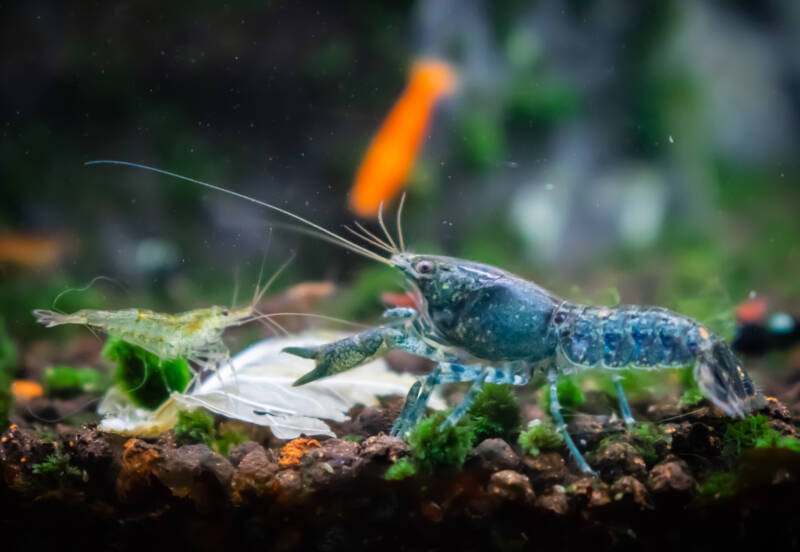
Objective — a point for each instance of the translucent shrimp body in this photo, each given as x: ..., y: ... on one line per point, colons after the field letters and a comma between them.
x: 195, y: 334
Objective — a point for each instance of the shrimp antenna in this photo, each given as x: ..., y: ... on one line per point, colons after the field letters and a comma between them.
x: 87, y: 286
x: 274, y: 277
x: 383, y: 226
x: 400, y: 223
x: 261, y: 267
x: 341, y: 241
x: 235, y: 285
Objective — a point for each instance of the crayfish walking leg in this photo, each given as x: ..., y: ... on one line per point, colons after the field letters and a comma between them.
x: 561, y: 426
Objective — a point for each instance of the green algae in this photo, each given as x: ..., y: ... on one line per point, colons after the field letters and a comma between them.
x: 716, y: 487
x: 8, y: 363
x: 143, y: 376
x: 647, y: 439
x: 436, y: 449
x: 56, y: 471
x: 540, y: 436
x: 194, y: 427
x: 570, y: 394
x: 495, y: 413
x: 402, y: 469
x: 755, y: 432
x: 228, y: 438
x: 433, y: 449
x: 66, y: 382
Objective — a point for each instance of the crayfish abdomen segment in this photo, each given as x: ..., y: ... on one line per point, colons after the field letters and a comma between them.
x: 625, y: 336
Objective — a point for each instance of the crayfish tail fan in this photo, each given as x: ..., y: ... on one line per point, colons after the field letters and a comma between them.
x: 722, y: 379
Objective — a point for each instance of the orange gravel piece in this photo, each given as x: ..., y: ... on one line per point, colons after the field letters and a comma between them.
x: 294, y: 449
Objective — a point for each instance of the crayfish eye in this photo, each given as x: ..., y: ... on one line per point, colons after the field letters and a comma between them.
x: 424, y: 267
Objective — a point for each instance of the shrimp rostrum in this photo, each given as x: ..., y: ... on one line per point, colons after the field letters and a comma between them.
x: 483, y: 324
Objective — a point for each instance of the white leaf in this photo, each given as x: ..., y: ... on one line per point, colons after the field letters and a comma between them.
x: 257, y: 388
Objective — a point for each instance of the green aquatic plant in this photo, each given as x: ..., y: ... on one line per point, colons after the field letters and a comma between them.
x: 691, y: 396
x: 56, y: 470
x: 402, y: 469
x: 570, y: 394
x: 353, y: 438
x: 435, y: 449
x: 228, y: 438
x: 717, y: 486
x: 67, y: 382
x: 647, y: 438
x: 495, y: 413
x: 194, y: 427
x: 755, y: 432
x: 8, y: 363
x: 146, y: 379
x: 540, y: 435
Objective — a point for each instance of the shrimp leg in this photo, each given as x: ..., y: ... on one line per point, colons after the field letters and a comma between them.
x: 561, y: 426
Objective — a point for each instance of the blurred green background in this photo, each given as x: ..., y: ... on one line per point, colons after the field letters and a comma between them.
x: 612, y: 151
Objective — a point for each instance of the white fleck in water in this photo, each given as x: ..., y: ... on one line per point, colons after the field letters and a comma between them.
x: 752, y: 294
x: 549, y: 187
x: 671, y: 141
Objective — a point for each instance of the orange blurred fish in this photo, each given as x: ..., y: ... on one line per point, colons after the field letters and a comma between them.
x: 26, y: 390
x: 392, y: 152
x: 31, y: 251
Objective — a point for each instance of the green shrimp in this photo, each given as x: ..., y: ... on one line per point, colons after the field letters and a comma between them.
x: 194, y: 335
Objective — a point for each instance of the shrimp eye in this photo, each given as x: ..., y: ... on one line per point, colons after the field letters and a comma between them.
x: 424, y: 267
x: 225, y: 312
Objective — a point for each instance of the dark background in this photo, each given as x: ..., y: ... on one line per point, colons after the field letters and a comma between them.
x: 633, y: 151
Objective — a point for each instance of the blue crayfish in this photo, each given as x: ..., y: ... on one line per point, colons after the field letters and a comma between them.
x: 483, y: 324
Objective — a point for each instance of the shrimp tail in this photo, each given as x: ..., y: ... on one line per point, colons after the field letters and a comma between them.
x: 50, y: 318
x: 722, y: 379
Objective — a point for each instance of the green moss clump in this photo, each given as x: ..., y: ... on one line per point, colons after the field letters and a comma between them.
x: 146, y: 379
x: 434, y: 450
x: 540, y: 436
x: 402, y: 469
x: 8, y: 363
x: 691, y: 396
x: 717, y: 486
x: 353, y: 437
x: 194, y: 427
x: 647, y: 437
x: 495, y: 413
x: 755, y: 432
x: 228, y: 438
x: 56, y: 471
x: 66, y: 382
x: 570, y: 394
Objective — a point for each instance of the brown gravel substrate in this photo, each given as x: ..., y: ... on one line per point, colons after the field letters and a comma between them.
x: 131, y: 494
